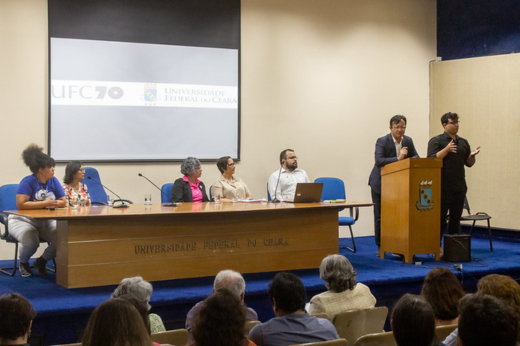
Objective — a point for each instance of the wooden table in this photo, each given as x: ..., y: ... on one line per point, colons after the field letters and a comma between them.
x: 101, y: 245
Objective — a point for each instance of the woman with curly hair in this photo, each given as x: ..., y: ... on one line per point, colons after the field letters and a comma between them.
x: 36, y: 191
x: 16, y: 316
x: 221, y: 321
x: 443, y: 291
x: 344, y: 292
x: 189, y: 188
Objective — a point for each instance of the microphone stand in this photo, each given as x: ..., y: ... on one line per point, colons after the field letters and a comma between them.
x: 122, y: 205
x: 171, y: 204
x: 276, y: 200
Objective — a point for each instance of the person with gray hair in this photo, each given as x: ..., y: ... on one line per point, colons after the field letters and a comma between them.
x: 225, y: 279
x: 189, y: 188
x: 142, y: 290
x: 344, y: 292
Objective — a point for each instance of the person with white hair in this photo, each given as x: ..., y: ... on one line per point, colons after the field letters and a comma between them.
x: 142, y: 290
x: 344, y: 292
x: 230, y: 280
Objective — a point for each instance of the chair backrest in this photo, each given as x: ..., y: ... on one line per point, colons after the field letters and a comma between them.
x: 268, y: 194
x: 337, y: 342
x: 352, y: 325
x: 378, y: 339
x: 8, y: 197
x: 250, y: 325
x: 442, y: 332
x: 177, y: 337
x: 333, y: 188
x: 166, y: 193
x: 95, y: 189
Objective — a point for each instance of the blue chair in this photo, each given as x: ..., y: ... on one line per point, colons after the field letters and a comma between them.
x: 96, y: 191
x: 166, y: 193
x: 334, y: 188
x: 210, y: 195
x: 8, y: 202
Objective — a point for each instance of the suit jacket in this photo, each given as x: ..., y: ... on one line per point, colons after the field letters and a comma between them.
x: 385, y: 154
x: 181, y: 191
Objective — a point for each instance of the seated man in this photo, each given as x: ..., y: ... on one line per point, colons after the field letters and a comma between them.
x: 282, y: 183
x: 230, y: 280
x: 486, y: 320
x: 292, y: 325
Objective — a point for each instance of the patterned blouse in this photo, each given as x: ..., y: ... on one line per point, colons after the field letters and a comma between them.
x: 82, y: 193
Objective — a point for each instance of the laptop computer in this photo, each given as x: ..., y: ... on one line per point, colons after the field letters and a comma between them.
x: 308, y: 192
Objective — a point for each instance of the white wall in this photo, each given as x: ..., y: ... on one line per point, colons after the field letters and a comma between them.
x: 321, y: 77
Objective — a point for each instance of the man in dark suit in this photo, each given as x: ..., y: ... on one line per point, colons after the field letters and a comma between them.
x: 393, y: 147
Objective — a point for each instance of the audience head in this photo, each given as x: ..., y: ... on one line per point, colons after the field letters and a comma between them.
x: 230, y: 280
x: 141, y: 308
x: 221, y: 321
x: 287, y: 293
x: 504, y: 288
x: 222, y: 163
x: 443, y: 291
x: 16, y: 315
x: 35, y: 159
x: 449, y: 116
x: 137, y: 287
x: 116, y: 322
x: 338, y: 273
x: 413, y: 322
x: 190, y: 166
x: 71, y: 170
x: 486, y: 320
x: 396, y: 119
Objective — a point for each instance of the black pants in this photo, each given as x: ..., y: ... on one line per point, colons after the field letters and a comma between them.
x: 376, y: 199
x: 452, y: 201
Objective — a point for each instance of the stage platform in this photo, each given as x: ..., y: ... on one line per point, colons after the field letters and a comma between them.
x: 63, y: 313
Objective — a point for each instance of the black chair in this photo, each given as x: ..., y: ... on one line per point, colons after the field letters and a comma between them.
x: 480, y: 216
x: 8, y: 202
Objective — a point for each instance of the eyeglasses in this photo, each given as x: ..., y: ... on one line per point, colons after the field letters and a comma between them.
x: 400, y: 127
x: 453, y: 122
x: 231, y: 164
x: 82, y: 170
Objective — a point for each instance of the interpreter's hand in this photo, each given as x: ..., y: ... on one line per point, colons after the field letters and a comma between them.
x: 452, y: 147
x: 475, y: 151
x: 402, y: 153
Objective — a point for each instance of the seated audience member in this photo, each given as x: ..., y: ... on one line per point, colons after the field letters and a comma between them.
x: 344, y: 292
x: 229, y: 187
x: 502, y: 287
x: 189, y: 188
x: 116, y: 322
x: 142, y: 290
x: 442, y: 290
x: 142, y: 309
x: 413, y: 322
x: 16, y: 316
x: 37, y: 191
x: 486, y: 320
x: 233, y: 282
x: 72, y: 185
x: 291, y: 324
x: 221, y: 321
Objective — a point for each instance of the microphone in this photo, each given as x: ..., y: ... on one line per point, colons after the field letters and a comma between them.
x: 172, y: 204
x: 122, y: 205
x: 276, y: 200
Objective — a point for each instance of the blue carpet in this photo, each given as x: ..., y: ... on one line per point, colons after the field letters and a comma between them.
x: 63, y: 312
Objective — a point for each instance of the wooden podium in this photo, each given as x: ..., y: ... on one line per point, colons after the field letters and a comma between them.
x: 411, y: 207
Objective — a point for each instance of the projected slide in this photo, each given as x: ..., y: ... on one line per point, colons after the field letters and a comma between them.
x: 112, y: 101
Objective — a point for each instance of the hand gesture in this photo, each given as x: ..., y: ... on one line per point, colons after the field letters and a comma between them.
x: 475, y: 151
x: 402, y: 153
x: 451, y: 147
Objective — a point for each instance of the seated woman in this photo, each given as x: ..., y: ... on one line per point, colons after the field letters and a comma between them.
x: 221, y: 321
x: 16, y: 316
x: 189, y: 188
x: 36, y: 191
x: 413, y: 322
x: 228, y: 187
x: 141, y: 290
x: 442, y: 290
x: 72, y: 185
x: 116, y: 322
x: 344, y: 292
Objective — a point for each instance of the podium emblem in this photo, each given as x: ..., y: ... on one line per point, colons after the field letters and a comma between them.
x: 425, y: 202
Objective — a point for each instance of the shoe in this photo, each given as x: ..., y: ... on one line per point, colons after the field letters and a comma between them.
x: 378, y: 253
x: 25, y: 270
x: 41, y: 265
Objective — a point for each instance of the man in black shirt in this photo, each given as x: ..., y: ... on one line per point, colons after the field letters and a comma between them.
x: 455, y: 153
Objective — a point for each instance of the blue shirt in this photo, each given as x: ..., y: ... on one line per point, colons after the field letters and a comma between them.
x: 293, y: 329
x: 37, y: 191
